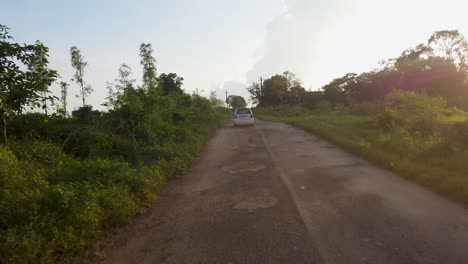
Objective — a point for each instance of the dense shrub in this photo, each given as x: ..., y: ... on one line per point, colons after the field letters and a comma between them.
x: 86, y: 114
x: 65, y: 181
x: 460, y: 132
x: 323, y: 106
x: 415, y: 112
x: 418, y: 136
x: 369, y: 109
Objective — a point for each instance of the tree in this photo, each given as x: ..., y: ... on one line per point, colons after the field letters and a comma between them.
x: 215, y: 101
x: 124, y: 79
x: 279, y: 89
x: 213, y: 98
x: 79, y: 64
x: 37, y: 66
x: 170, y: 83
x: 275, y: 90
x: 148, y: 62
x: 341, y: 89
x: 452, y: 44
x: 63, y: 96
x: 291, y: 80
x: 119, y: 88
x: 295, y: 92
x: 236, y: 101
x: 313, y: 98
x: 24, y: 77
x: 256, y: 91
x: 432, y: 68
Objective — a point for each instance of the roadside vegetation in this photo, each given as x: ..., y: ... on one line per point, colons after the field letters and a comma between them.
x: 408, y: 115
x: 66, y: 180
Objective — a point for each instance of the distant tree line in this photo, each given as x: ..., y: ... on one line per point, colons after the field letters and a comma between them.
x: 25, y: 80
x: 437, y: 67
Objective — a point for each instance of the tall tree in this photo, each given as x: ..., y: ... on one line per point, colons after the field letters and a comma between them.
x: 279, y: 89
x: 63, y: 96
x: 256, y: 91
x: 451, y: 43
x: 79, y: 64
x: 119, y: 88
x: 275, y: 90
x: 340, y: 90
x: 454, y: 46
x: 24, y: 77
x: 150, y: 79
x: 124, y: 79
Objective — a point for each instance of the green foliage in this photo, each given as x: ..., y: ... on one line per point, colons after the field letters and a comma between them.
x: 437, y: 68
x: 86, y: 113
x: 170, y: 83
x: 339, y: 90
x: 79, y: 64
x: 323, y: 106
x: 63, y: 98
x: 452, y: 45
x: 418, y: 136
x: 236, y: 101
x: 460, y: 132
x: 65, y: 181
x: 147, y: 60
x: 283, y: 88
x: 24, y: 77
x: 120, y: 88
x: 416, y: 113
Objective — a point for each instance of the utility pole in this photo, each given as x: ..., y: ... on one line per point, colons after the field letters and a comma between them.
x: 226, y: 96
x: 261, y: 84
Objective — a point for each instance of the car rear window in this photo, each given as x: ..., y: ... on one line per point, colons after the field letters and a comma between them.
x: 243, y: 111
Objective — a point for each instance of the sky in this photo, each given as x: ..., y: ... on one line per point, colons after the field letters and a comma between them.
x: 219, y: 45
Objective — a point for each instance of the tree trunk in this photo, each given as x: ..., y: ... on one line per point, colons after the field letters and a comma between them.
x: 5, y: 139
x: 83, y: 95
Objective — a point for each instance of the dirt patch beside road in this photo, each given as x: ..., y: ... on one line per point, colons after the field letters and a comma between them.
x: 276, y: 194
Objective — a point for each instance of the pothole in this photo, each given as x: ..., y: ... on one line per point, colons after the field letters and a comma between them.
x: 243, y: 167
x: 261, y: 201
x: 258, y: 155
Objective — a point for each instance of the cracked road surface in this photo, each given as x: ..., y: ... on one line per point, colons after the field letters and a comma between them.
x: 276, y: 194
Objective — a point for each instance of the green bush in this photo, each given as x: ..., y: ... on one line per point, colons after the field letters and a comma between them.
x: 415, y: 112
x: 460, y: 132
x: 65, y: 181
x: 323, y: 106
x: 368, y: 109
x: 419, y: 137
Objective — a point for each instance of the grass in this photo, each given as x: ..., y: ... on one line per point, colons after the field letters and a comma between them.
x: 436, y: 160
x: 62, y: 192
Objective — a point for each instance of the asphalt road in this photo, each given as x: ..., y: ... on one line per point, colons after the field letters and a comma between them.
x: 276, y: 194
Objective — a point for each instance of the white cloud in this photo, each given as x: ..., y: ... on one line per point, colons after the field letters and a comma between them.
x: 321, y: 40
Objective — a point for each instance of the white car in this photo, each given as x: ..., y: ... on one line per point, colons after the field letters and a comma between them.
x: 243, y: 117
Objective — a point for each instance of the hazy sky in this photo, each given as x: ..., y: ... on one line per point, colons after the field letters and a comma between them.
x: 223, y: 44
